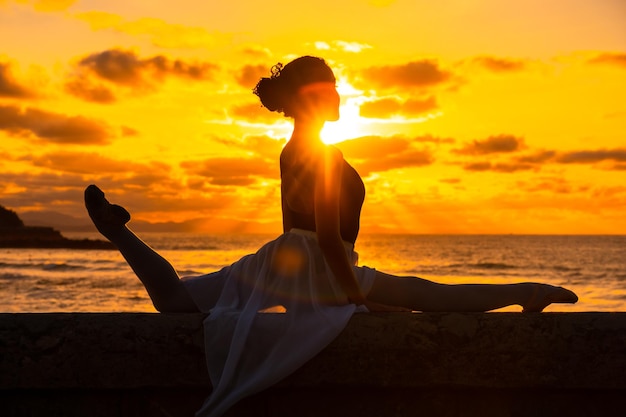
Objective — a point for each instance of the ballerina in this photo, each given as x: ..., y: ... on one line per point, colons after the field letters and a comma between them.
x: 309, y: 270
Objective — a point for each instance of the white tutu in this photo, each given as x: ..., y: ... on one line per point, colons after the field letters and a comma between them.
x: 289, y: 274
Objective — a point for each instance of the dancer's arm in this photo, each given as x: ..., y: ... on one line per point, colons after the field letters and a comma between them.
x: 327, y: 221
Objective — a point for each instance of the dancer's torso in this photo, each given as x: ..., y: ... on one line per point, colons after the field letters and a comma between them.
x: 298, y: 174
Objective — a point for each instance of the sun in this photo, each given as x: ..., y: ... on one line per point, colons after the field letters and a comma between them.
x: 350, y: 124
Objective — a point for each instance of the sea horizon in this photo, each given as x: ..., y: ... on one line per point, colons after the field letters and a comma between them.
x: 51, y: 280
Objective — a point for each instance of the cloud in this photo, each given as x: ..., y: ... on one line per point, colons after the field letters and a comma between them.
x: 40, y: 189
x: 150, y: 188
x: 90, y: 163
x: 493, y: 144
x: 591, y: 156
x: 387, y: 107
x: 416, y: 74
x: 609, y: 192
x: 552, y: 185
x: 499, y: 64
x: 129, y: 131
x: 9, y: 87
x: 450, y: 180
x: 433, y: 139
x: 399, y: 152
x: 249, y: 75
x: 88, y: 90
x: 537, y: 157
x: 256, y: 51
x: 264, y: 146
x: 618, y: 59
x: 53, y: 127
x: 503, y: 167
x: 259, y: 145
x: 409, y: 159
x: 124, y: 68
x: 367, y: 147
x: 233, y: 171
x: 160, y: 33
x: 344, y: 46
x: 254, y: 112
x: 608, y: 159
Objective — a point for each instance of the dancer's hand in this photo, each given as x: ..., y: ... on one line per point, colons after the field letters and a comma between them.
x: 383, y: 308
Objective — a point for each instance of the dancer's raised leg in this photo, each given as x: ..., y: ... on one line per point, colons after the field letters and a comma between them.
x: 424, y: 295
x: 161, y: 280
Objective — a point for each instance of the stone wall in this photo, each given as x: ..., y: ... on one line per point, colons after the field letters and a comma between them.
x: 400, y: 364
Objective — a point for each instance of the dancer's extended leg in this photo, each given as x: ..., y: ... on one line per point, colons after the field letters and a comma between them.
x: 158, y: 276
x: 424, y: 295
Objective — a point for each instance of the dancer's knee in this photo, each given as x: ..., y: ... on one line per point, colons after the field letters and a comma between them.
x: 178, y: 301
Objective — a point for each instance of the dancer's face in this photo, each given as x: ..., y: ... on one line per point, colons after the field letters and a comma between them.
x: 320, y: 100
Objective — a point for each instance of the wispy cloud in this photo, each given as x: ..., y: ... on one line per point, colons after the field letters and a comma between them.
x: 232, y: 171
x: 344, y: 46
x: 93, y: 163
x: 53, y: 127
x: 493, y: 144
x: 502, y: 167
x: 160, y: 32
x: 591, y: 156
x: 415, y: 74
x: 259, y: 145
x: 254, y: 112
x: 9, y: 86
x: 611, y: 58
x: 500, y: 64
x: 392, y: 106
x: 400, y: 152
x: 249, y: 75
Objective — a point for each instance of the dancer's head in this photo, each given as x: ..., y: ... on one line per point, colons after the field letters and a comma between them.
x: 305, y: 87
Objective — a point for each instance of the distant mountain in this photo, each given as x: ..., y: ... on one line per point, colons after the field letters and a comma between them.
x: 67, y: 223
x: 58, y: 220
x: 15, y: 234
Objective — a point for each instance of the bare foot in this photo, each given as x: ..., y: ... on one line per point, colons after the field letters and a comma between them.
x: 108, y: 218
x: 543, y: 295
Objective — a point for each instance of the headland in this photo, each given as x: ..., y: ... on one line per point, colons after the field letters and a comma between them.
x: 14, y: 234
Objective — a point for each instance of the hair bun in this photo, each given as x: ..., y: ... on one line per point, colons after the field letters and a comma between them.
x: 270, y: 93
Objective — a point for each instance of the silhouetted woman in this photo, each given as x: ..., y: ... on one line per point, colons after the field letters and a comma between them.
x: 309, y: 272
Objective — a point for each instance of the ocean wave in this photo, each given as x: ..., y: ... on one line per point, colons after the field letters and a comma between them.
x: 108, y: 283
x: 563, y: 268
x: 60, y: 266
x: 196, y: 247
x: 16, y: 265
x: 9, y: 276
x: 67, y: 281
x: 483, y: 265
x: 492, y: 265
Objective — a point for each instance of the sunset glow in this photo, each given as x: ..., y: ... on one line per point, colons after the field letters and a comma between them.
x: 461, y: 117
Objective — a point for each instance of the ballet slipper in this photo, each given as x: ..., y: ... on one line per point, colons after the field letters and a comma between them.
x: 543, y: 295
x: 108, y: 218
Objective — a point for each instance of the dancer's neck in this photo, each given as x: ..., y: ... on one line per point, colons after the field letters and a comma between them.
x: 307, y: 131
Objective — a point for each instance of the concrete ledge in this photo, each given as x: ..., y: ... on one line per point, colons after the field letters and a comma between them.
x: 400, y: 364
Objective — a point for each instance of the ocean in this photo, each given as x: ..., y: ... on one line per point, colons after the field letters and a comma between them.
x: 68, y: 280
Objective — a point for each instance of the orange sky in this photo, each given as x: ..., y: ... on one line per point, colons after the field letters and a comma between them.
x: 461, y: 116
